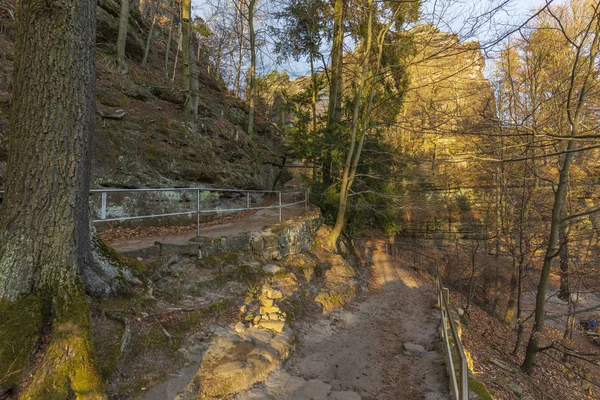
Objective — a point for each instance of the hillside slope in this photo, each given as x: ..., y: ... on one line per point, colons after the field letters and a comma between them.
x: 152, y: 145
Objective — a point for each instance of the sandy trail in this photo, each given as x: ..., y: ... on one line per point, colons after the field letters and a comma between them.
x: 358, y: 353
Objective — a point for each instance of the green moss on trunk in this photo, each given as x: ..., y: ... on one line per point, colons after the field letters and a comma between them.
x: 20, y: 329
x: 67, y: 368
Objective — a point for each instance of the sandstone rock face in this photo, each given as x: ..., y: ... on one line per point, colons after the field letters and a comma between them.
x: 234, y: 362
x: 281, y: 385
x: 288, y: 238
x: 291, y: 237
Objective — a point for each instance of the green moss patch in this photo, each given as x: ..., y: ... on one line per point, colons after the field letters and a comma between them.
x: 479, y: 389
x: 20, y: 329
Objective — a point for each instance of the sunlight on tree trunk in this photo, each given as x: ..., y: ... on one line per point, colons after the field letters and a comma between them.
x: 149, y: 39
x: 186, y: 34
x: 334, y: 109
x: 576, y: 98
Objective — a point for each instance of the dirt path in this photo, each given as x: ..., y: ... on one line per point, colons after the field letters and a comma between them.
x: 246, y: 224
x: 358, y: 353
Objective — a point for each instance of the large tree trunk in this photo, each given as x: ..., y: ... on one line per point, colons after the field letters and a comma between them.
x: 122, y: 36
x: 44, y: 222
x: 252, y: 98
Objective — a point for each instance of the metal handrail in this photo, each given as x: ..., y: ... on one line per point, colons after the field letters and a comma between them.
x: 198, y: 210
x: 460, y: 389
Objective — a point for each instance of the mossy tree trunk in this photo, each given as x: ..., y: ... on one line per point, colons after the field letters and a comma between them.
x: 122, y: 36
x: 44, y: 219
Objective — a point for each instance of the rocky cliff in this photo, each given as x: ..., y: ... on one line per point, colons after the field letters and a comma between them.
x: 152, y: 145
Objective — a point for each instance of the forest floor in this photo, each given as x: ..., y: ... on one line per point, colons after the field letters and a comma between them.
x: 490, y: 341
x: 358, y: 352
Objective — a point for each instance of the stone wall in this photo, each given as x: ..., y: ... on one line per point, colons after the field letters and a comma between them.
x: 289, y: 237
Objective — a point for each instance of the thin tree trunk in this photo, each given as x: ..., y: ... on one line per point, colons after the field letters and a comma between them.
x: 169, y: 39
x: 573, y: 112
x: 343, y: 193
x: 238, y: 72
x: 564, y: 263
x: 186, y: 35
x: 252, y: 98
x: 334, y: 108
x: 194, y: 87
x: 177, y: 54
x: 149, y: 39
x: 512, y: 292
x: 313, y: 77
x: 352, y: 158
x: 551, y: 253
x: 44, y: 219
x: 122, y: 37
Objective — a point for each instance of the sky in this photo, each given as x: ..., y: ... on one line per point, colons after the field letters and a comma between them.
x: 470, y: 19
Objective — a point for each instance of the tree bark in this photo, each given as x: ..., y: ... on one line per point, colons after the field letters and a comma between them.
x: 564, y: 292
x: 252, y: 98
x: 169, y: 39
x: 334, y: 108
x: 344, y: 188
x: 512, y: 292
x: 186, y: 34
x: 149, y: 39
x: 551, y: 253
x: 122, y: 37
x: 355, y: 150
x: 238, y: 71
x: 44, y: 219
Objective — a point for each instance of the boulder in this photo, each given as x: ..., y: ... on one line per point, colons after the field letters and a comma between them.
x: 276, y: 326
x: 273, y: 269
x: 414, y: 349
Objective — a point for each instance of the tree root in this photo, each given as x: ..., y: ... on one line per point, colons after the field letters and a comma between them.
x: 125, y: 340
x: 67, y: 368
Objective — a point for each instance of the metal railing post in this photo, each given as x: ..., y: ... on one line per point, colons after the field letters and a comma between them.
x: 306, y: 199
x: 198, y: 212
x: 464, y: 380
x: 248, y: 200
x: 103, y: 211
x: 279, y: 206
x: 446, y: 294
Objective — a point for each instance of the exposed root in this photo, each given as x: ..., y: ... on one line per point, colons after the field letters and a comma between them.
x: 126, y: 339
x: 67, y: 368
